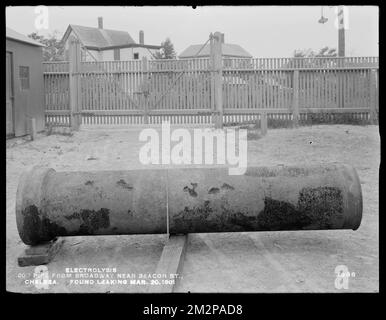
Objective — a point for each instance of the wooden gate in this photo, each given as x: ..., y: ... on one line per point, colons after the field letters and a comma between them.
x: 130, y: 92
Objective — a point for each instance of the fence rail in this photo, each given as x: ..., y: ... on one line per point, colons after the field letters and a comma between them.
x: 301, y: 63
x: 128, y: 92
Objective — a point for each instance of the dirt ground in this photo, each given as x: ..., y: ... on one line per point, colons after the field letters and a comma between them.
x: 296, y: 261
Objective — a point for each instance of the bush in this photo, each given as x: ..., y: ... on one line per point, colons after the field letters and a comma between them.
x: 333, y: 118
x: 307, y: 119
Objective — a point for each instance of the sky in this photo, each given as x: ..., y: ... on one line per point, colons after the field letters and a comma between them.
x: 264, y: 31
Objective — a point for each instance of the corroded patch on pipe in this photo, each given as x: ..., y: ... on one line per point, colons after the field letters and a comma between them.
x: 192, y: 191
x: 278, y: 215
x: 204, y: 218
x: 226, y: 186
x: 322, y: 205
x: 189, y: 218
x: 37, y: 228
x: 123, y: 184
x: 241, y: 221
x: 316, y: 207
x: 213, y: 190
x: 91, y: 220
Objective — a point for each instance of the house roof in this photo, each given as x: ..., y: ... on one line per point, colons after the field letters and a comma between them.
x: 12, y: 34
x: 103, y: 39
x: 233, y: 50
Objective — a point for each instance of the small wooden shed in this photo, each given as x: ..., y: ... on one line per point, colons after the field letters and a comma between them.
x: 24, y: 84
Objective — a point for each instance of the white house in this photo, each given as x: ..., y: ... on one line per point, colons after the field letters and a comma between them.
x: 99, y: 44
x: 228, y: 51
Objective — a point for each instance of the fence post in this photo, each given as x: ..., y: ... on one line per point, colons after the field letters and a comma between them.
x: 32, y: 128
x: 217, y: 63
x: 263, y: 123
x: 340, y: 87
x: 211, y: 66
x: 295, y: 99
x: 145, y: 90
x: 373, y: 98
x: 74, y: 78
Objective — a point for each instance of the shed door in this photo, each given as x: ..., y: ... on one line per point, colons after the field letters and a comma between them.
x: 9, y: 95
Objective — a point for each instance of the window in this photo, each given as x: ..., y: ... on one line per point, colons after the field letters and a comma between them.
x: 83, y: 55
x: 136, y: 55
x: 24, y: 77
x: 117, y: 54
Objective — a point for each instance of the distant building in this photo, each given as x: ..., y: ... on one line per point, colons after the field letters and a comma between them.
x: 24, y: 84
x: 228, y: 51
x: 101, y: 44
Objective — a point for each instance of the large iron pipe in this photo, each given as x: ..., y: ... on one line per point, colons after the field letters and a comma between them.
x: 51, y: 203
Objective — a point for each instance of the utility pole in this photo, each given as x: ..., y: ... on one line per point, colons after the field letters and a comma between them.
x: 341, y: 51
x: 217, y: 77
x: 341, y: 32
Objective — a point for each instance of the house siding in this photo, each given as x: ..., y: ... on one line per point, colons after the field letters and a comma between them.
x: 126, y: 54
x: 28, y: 103
x: 108, y: 55
x: 143, y: 52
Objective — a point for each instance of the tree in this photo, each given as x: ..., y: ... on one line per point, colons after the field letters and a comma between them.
x: 312, y: 58
x: 323, y: 52
x: 54, y: 48
x: 327, y: 52
x: 167, y: 51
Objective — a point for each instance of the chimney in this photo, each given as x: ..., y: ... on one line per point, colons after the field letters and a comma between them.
x: 141, y: 37
x: 222, y: 38
x: 100, y: 22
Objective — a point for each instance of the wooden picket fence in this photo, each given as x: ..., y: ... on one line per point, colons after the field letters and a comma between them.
x: 182, y: 91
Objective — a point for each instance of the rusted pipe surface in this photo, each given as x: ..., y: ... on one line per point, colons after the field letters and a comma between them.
x: 51, y: 203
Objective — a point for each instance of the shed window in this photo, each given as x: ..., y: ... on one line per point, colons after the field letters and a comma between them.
x: 24, y: 77
x: 136, y: 55
x: 117, y: 54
